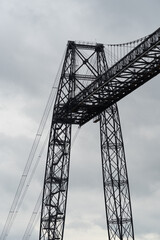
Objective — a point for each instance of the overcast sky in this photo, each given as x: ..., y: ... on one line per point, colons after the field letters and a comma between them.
x: 33, y: 38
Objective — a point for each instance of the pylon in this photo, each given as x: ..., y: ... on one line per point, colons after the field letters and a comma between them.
x: 83, y: 63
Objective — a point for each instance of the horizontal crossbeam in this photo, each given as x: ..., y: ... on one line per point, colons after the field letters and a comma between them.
x: 133, y: 70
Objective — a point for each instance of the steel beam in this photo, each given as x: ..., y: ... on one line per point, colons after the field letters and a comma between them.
x: 114, y: 169
x: 133, y: 70
x: 115, y: 177
x: 58, y: 160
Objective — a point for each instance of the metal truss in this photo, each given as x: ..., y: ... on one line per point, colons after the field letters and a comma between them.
x: 83, y: 64
x: 114, y: 170
x: 87, y: 89
x: 78, y: 60
x: 136, y: 68
x: 56, y: 183
x: 57, y: 166
x: 115, y: 177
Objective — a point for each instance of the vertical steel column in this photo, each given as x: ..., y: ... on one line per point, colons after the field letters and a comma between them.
x: 79, y: 69
x: 115, y: 178
x: 58, y: 160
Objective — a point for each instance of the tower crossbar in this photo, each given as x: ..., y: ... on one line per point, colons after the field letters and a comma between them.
x: 136, y: 68
x: 88, y: 89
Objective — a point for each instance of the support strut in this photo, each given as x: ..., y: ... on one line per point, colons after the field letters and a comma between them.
x: 82, y: 65
x: 58, y: 160
x: 114, y: 170
x: 115, y: 177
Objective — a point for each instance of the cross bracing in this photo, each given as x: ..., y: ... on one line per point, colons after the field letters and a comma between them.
x: 139, y: 66
x: 88, y: 88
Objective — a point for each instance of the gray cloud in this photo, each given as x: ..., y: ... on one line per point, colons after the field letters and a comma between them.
x: 33, y: 36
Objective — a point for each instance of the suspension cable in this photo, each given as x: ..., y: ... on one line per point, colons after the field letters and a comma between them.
x: 32, y: 222
x: 127, y: 43
x: 26, y: 187
x: 18, y: 198
x: 35, y: 214
x: 116, y: 51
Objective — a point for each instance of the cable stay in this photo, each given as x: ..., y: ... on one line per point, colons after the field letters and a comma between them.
x: 115, y: 52
x: 33, y: 219
x: 36, y: 212
x: 18, y: 199
x: 20, y: 193
x: 26, y: 187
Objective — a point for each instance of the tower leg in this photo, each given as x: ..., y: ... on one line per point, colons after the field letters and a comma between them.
x: 77, y: 73
x: 56, y: 183
x: 58, y: 160
x: 115, y: 178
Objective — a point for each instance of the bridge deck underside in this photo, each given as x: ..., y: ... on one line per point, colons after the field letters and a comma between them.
x: 133, y: 70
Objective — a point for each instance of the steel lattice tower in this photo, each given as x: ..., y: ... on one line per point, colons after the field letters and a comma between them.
x: 79, y: 72
x: 115, y: 178
x: 88, y: 89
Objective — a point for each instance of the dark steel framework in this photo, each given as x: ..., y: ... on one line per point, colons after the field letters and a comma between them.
x: 136, y: 68
x: 87, y: 88
x: 115, y: 177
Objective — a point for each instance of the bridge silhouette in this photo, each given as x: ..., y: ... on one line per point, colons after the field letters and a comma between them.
x: 89, y: 88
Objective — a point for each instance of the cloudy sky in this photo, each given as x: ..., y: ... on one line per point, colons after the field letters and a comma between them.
x: 33, y: 38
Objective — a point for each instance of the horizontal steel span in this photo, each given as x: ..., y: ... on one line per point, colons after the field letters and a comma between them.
x: 136, y: 68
